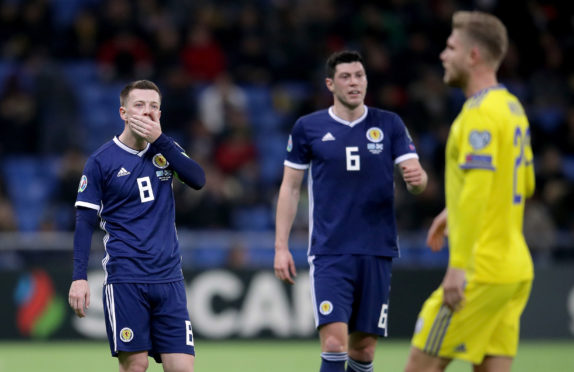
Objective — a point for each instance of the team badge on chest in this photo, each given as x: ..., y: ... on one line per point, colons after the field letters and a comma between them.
x: 375, y: 136
x: 160, y: 161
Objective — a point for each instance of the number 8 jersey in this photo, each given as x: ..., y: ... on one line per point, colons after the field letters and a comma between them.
x: 489, y: 173
x: 351, y: 179
x: 132, y: 192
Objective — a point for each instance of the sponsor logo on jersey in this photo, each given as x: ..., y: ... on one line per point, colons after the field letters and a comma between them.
x: 126, y: 334
x: 479, y: 140
x: 160, y: 161
x: 83, y: 183
x: 328, y: 137
x: 326, y: 307
x: 123, y: 172
x: 375, y: 134
x: 290, y: 144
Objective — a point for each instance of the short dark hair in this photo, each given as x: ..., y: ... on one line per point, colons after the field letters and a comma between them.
x: 138, y: 84
x: 345, y: 56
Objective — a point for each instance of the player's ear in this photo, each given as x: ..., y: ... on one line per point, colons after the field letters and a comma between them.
x: 123, y: 113
x: 475, y: 55
x: 329, y: 84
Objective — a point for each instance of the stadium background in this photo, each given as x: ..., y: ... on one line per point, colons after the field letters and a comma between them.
x: 234, y: 77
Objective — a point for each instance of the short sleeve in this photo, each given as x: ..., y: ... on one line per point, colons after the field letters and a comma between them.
x: 298, y: 148
x: 90, y: 187
x: 478, y: 142
x: 402, y: 144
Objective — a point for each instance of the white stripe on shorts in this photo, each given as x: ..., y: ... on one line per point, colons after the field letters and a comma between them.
x: 111, y: 312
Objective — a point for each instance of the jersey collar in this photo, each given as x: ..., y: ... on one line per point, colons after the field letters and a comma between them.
x: 345, y: 122
x: 130, y: 150
x: 482, y: 92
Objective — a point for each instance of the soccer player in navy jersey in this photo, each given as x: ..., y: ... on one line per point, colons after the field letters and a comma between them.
x: 127, y: 187
x: 351, y: 152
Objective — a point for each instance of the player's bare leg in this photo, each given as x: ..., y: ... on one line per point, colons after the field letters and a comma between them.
x: 177, y: 362
x: 334, y: 338
x: 494, y: 364
x: 361, y: 351
x: 419, y: 361
x: 133, y: 362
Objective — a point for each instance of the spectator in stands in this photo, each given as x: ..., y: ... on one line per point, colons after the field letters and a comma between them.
x: 19, y: 129
x: 202, y: 56
x: 220, y: 100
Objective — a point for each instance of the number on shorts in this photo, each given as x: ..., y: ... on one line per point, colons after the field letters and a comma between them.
x: 383, y: 317
x: 189, y: 333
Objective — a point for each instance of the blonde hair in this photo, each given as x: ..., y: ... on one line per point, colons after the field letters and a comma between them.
x: 486, y: 30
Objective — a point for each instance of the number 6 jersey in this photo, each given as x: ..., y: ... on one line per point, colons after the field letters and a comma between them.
x: 351, y: 179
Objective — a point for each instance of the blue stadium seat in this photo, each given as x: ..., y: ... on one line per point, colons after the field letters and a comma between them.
x: 256, y: 218
x: 65, y: 11
x: 30, y: 182
x: 271, y: 149
x: 79, y: 73
x: 99, y: 105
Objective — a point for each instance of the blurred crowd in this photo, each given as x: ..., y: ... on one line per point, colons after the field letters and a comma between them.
x: 235, y: 75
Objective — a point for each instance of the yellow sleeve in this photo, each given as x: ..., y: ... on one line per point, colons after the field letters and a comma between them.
x: 478, y: 159
x: 529, y: 164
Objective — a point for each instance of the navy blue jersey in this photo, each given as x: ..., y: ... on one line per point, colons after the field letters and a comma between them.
x: 351, y: 179
x: 132, y: 192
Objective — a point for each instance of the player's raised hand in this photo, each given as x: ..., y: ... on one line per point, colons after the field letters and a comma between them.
x: 79, y: 297
x: 437, y: 232
x: 147, y: 127
x: 284, y: 266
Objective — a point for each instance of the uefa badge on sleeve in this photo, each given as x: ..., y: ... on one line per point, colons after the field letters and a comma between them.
x: 290, y: 144
x: 83, y: 183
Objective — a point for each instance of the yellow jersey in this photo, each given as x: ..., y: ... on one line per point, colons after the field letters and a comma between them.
x: 489, y: 173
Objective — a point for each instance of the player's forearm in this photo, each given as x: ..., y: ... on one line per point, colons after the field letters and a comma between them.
x: 86, y: 222
x: 464, y: 232
x: 188, y: 170
x: 286, y: 211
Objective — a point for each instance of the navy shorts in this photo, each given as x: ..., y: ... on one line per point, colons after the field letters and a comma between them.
x: 352, y: 289
x: 148, y: 316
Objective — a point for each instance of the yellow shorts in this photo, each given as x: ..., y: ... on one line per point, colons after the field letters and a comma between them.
x: 487, y: 324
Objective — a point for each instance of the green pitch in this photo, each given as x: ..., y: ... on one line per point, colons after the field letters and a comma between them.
x: 257, y: 356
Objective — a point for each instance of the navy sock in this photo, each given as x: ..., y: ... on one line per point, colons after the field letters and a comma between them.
x: 333, y: 362
x: 356, y: 366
